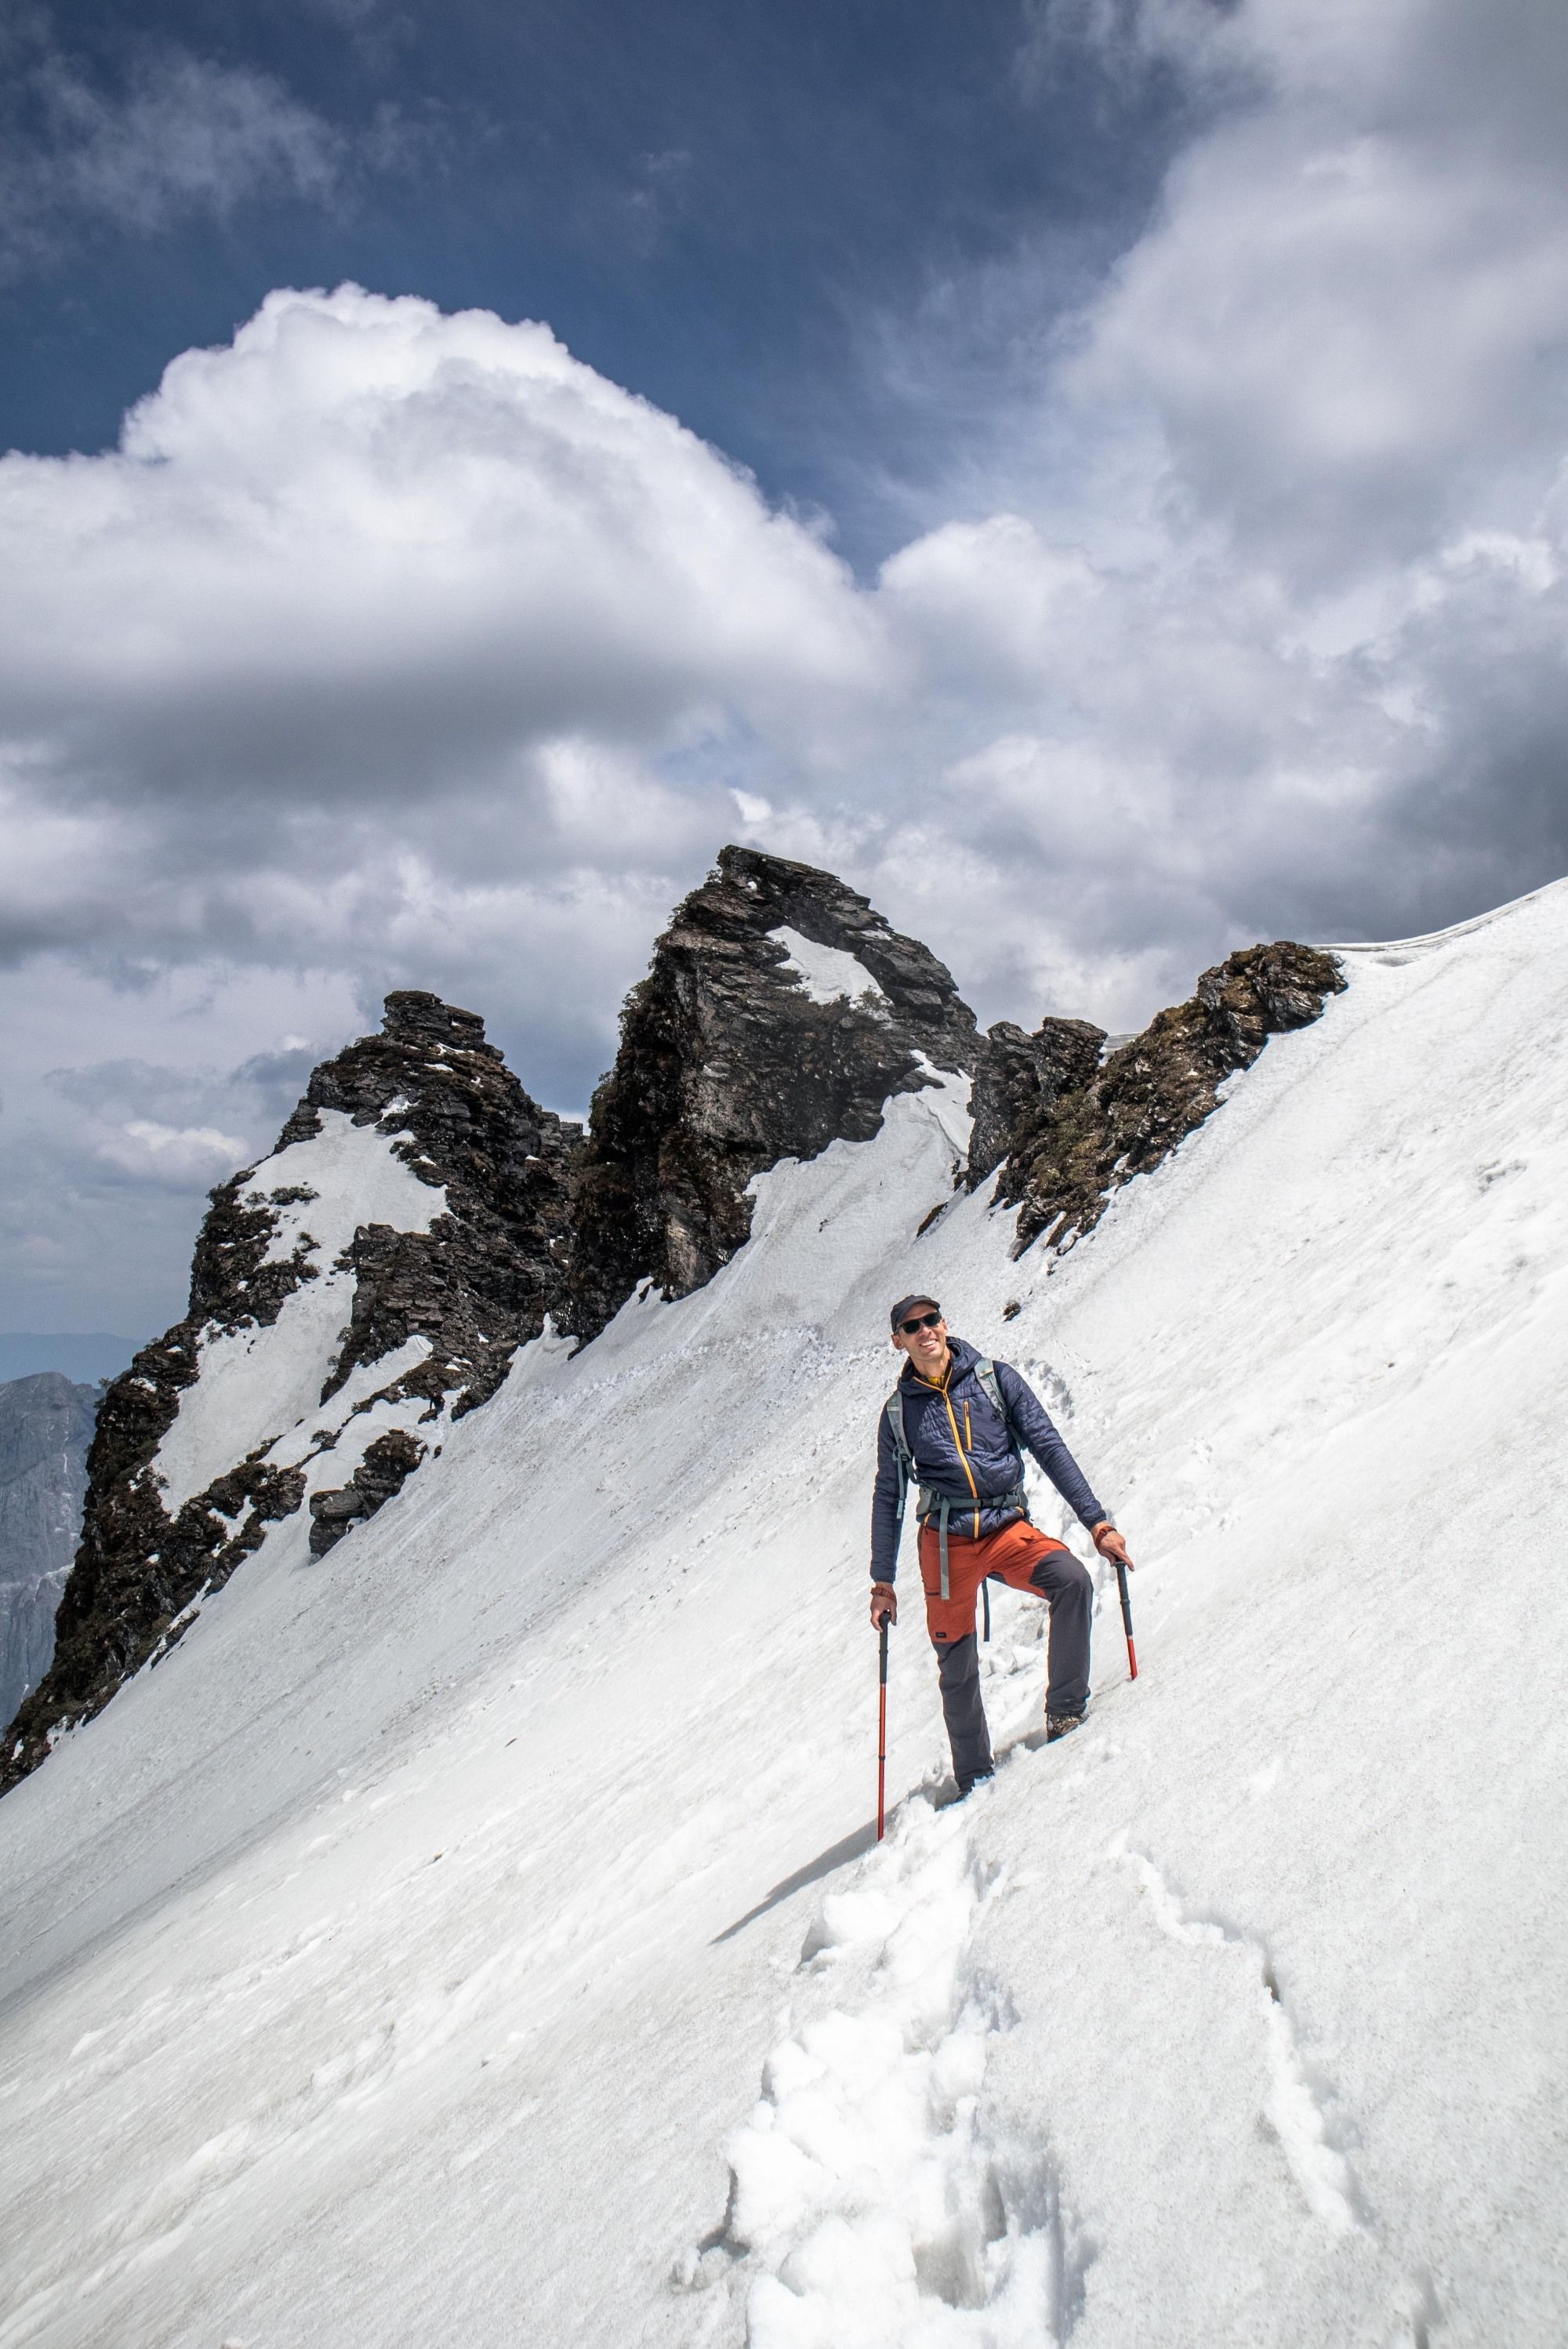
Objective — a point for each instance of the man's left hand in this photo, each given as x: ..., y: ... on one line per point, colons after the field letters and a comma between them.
x: 1109, y: 1544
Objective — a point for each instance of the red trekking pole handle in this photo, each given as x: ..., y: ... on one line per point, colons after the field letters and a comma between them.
x: 1127, y: 1620
x: 882, y: 1728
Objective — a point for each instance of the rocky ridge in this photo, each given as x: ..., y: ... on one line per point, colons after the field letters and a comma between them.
x: 735, y: 1052
x: 451, y: 1302
x: 1084, y: 1132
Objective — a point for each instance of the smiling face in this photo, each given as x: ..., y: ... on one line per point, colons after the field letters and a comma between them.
x: 926, y: 1345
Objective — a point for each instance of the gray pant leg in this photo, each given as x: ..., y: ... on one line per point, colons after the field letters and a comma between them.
x: 1067, y: 1589
x: 958, y: 1669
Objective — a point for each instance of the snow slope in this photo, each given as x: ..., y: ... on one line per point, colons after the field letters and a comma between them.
x: 417, y: 1954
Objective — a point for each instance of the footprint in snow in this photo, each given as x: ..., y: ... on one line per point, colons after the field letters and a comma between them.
x: 869, y: 2200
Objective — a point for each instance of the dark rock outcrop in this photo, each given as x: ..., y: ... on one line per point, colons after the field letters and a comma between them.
x: 476, y: 1285
x: 1018, y: 1080
x: 45, y: 1427
x: 387, y: 1466
x: 1152, y: 1093
x: 727, y: 1065
x: 482, y: 1279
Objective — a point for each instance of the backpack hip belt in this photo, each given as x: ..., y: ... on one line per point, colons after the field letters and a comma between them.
x: 941, y: 1506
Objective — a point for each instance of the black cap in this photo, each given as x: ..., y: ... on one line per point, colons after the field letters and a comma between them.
x: 905, y: 1305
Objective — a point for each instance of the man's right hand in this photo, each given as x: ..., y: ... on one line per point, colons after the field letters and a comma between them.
x: 884, y: 1605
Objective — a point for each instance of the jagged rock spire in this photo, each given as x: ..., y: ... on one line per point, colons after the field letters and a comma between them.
x: 779, y: 1015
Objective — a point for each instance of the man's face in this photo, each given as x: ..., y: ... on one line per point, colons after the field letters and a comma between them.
x: 926, y: 1345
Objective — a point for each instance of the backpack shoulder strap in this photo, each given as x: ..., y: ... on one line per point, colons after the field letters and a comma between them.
x: 893, y: 1411
x: 985, y: 1371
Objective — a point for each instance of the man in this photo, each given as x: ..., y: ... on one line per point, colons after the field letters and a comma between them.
x: 963, y: 1453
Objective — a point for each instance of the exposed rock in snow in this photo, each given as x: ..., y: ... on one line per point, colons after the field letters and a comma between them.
x: 387, y: 1463
x: 482, y: 1279
x: 781, y: 1014
x: 1153, y: 1091
x: 376, y: 1273
x: 1018, y: 1080
x: 45, y: 1426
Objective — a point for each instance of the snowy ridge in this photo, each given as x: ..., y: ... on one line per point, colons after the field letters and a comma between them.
x: 1457, y: 930
x: 413, y: 1941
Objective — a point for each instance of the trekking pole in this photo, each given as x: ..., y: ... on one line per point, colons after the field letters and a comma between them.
x: 1127, y: 1619
x: 882, y: 1728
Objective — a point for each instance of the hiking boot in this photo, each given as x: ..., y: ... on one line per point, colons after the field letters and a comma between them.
x: 1061, y: 1725
x: 966, y: 1785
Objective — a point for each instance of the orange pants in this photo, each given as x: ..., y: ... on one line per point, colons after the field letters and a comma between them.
x: 1026, y: 1559
x: 1013, y: 1555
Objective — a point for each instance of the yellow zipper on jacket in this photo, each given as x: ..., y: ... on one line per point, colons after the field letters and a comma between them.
x: 957, y: 1440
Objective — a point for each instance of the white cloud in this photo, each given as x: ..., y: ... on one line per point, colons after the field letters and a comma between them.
x: 1276, y: 637
x: 405, y: 644
x: 190, y: 1157
x: 368, y: 548
x: 183, y: 135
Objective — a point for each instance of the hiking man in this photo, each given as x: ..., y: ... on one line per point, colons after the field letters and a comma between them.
x: 954, y: 1425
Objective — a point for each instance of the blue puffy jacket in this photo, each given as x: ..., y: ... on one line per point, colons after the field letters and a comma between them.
x: 962, y: 1446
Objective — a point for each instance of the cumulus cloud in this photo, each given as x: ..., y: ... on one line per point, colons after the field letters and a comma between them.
x: 1348, y: 325
x: 1279, y: 642
x: 371, y: 563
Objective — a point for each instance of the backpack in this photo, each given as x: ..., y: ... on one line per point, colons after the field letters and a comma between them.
x: 941, y: 1505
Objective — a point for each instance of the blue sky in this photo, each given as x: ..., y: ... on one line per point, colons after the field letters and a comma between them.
x: 1092, y: 473
x: 733, y: 210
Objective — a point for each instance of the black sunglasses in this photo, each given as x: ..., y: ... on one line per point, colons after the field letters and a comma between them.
x: 921, y: 1321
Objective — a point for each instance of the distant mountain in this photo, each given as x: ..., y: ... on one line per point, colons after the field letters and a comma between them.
x: 45, y: 1426
x: 83, y: 1355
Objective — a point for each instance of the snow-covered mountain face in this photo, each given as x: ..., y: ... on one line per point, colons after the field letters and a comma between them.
x: 351, y: 1295
x: 473, y: 1932
x: 46, y: 1424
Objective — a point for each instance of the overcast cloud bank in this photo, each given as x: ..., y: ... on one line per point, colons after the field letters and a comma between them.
x: 396, y: 647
